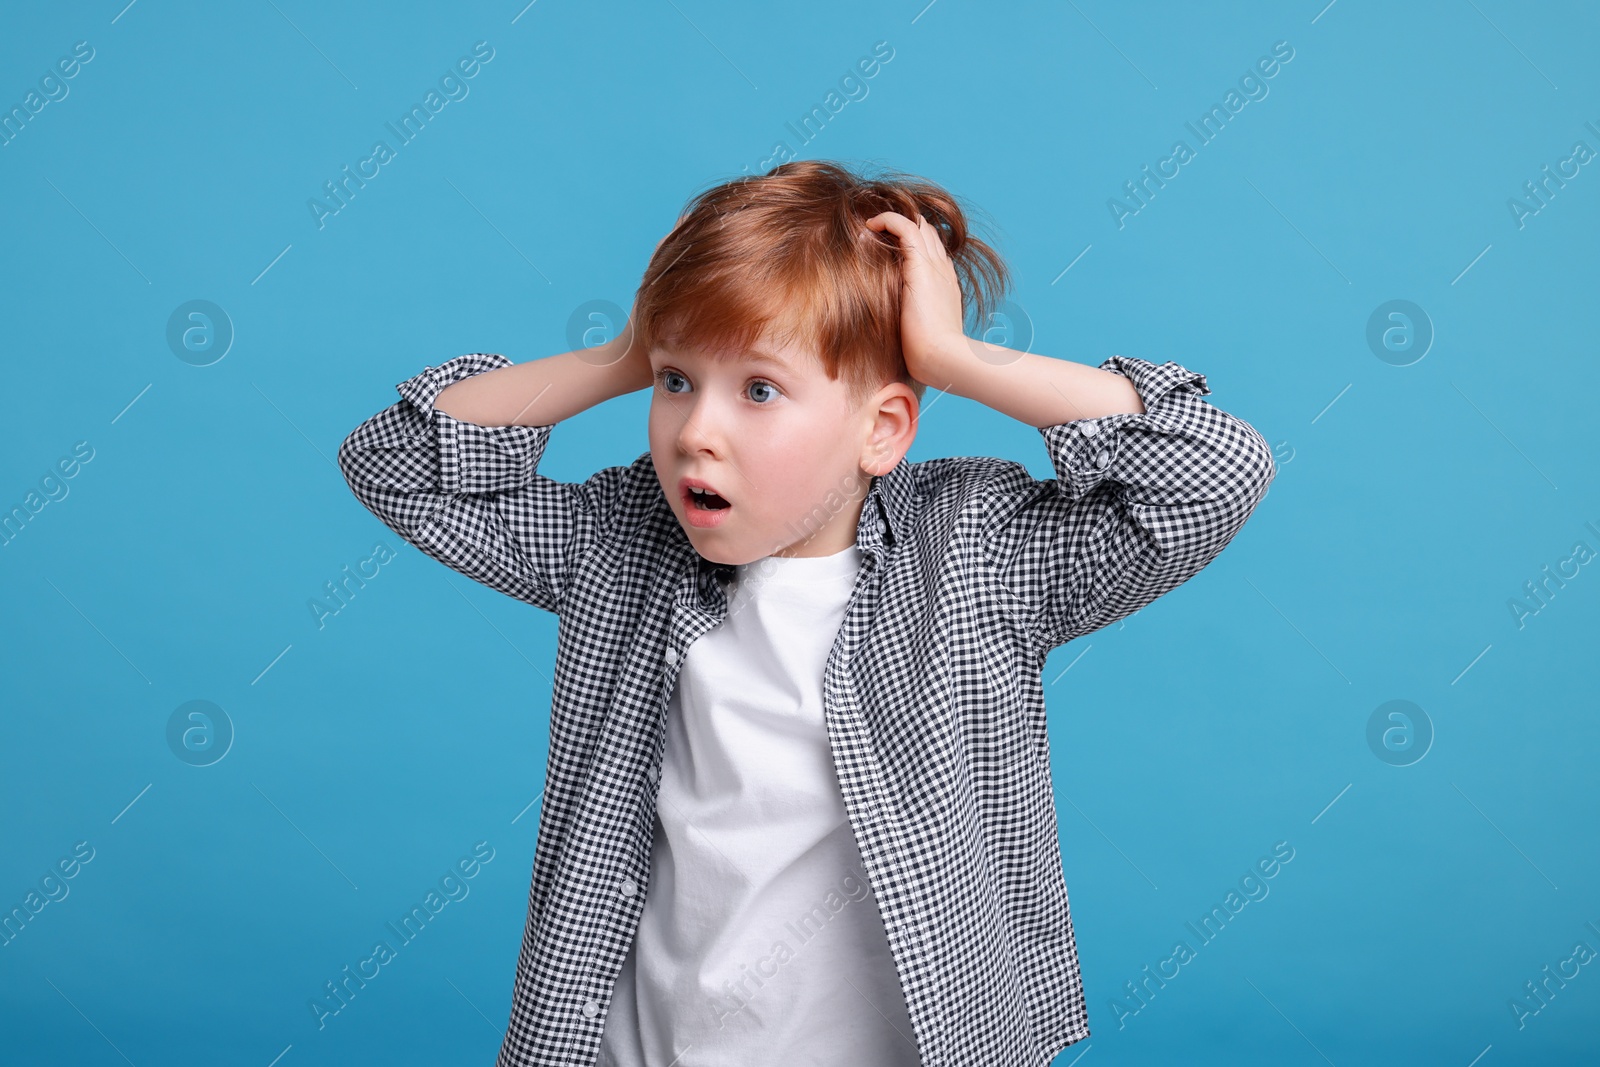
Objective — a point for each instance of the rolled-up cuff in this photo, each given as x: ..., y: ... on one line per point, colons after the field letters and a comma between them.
x: 1086, y: 451
x: 473, y: 458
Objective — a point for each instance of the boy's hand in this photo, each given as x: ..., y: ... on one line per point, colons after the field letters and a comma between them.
x: 931, y: 333
x: 631, y: 361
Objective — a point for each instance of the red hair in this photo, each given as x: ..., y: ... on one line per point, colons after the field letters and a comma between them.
x: 786, y: 256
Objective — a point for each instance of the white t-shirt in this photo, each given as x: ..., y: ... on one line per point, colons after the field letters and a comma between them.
x: 760, y: 939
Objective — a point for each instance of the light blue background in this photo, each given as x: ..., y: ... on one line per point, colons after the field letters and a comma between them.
x: 1411, y: 502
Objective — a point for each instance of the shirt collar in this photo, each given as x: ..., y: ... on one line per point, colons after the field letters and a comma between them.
x: 886, y: 512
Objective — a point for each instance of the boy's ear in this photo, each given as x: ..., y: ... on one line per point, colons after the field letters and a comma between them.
x: 894, y: 411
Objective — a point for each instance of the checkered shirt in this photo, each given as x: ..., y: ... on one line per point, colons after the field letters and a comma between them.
x: 973, y: 571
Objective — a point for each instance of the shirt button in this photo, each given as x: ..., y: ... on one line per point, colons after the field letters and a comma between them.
x: 672, y: 656
x: 590, y: 1009
x: 1088, y: 429
x: 1102, y: 459
x: 628, y: 887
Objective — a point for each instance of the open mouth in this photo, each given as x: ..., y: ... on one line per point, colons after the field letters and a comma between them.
x: 706, y: 500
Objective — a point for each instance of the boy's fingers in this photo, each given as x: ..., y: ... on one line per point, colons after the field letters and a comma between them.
x: 920, y: 238
x: 935, y: 241
x: 906, y: 231
x: 896, y: 224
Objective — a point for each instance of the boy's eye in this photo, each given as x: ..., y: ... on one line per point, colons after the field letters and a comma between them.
x: 667, y: 378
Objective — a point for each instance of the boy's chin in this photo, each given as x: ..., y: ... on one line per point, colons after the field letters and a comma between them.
x: 722, y: 559
x: 705, y: 544
x: 708, y: 550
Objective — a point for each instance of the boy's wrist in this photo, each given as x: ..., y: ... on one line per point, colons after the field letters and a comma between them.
x: 948, y: 365
x: 957, y: 365
x: 1034, y: 388
x: 629, y: 369
x: 626, y: 367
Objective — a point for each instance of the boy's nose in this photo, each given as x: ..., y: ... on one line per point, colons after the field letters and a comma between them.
x: 699, y: 430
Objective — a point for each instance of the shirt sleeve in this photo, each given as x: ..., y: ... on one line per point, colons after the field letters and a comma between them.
x: 1140, y: 503
x: 471, y: 496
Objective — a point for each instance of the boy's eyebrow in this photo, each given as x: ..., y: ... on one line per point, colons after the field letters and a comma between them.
x: 761, y: 355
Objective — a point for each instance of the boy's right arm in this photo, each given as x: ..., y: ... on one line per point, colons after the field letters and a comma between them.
x: 453, y: 467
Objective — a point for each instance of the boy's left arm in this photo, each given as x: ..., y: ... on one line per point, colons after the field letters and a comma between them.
x: 1151, y: 480
x: 1142, y: 500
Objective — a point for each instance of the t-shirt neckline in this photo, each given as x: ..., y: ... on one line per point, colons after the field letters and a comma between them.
x: 800, y: 570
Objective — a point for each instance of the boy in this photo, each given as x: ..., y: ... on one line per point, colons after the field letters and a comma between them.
x: 798, y: 805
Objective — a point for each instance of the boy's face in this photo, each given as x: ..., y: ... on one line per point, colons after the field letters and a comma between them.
x: 786, y: 452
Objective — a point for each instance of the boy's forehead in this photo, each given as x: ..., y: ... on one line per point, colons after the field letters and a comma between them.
x: 763, y: 354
